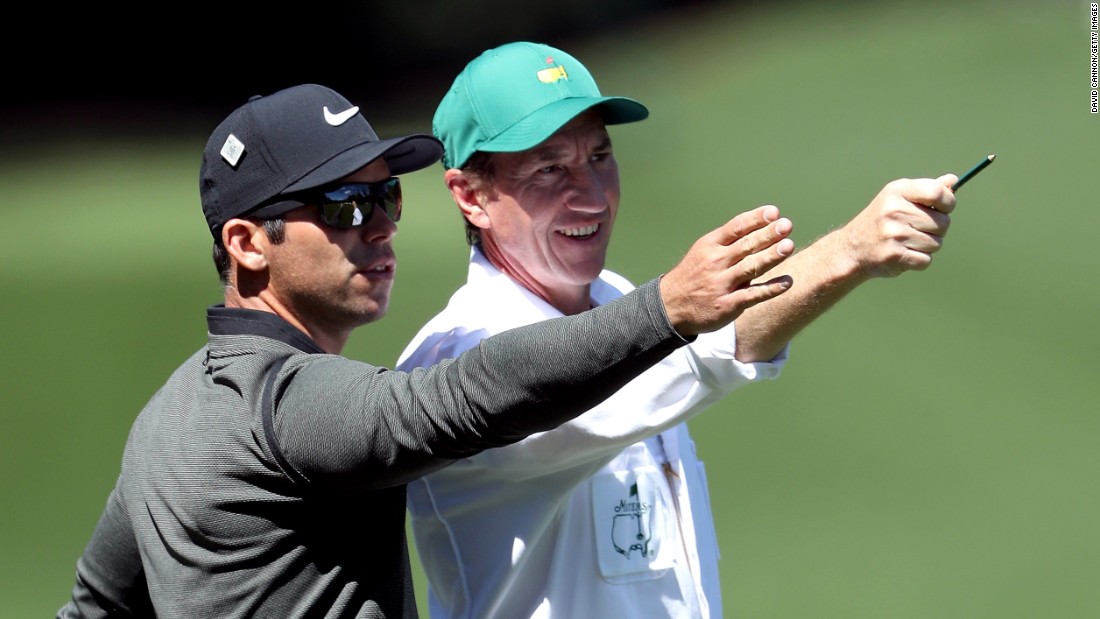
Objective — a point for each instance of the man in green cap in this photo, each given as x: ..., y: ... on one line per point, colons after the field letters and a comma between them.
x: 606, y: 515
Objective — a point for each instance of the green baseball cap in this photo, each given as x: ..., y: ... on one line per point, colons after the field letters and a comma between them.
x: 513, y: 97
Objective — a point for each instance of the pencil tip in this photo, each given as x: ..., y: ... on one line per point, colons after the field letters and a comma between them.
x: 991, y: 157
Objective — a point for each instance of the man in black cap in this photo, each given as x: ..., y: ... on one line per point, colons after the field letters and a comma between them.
x: 267, y: 476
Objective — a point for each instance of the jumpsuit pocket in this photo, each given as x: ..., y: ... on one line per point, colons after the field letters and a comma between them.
x: 634, y: 523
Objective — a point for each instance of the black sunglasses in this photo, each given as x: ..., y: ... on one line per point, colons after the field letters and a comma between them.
x: 351, y: 205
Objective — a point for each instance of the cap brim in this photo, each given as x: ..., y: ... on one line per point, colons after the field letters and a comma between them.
x: 274, y: 209
x: 539, y: 125
x: 404, y: 154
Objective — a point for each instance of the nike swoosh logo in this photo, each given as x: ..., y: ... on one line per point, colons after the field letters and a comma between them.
x: 338, y: 119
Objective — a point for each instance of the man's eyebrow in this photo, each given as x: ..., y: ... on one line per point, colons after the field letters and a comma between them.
x: 544, y: 154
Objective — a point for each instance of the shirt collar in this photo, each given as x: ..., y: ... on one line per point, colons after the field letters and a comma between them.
x: 222, y: 320
x: 482, y: 271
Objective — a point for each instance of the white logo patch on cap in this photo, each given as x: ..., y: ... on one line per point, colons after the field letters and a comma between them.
x: 338, y: 119
x: 232, y: 150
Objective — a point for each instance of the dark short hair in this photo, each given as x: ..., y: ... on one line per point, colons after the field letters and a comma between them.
x: 276, y: 231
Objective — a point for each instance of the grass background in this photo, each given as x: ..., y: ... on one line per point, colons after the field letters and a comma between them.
x: 931, y: 449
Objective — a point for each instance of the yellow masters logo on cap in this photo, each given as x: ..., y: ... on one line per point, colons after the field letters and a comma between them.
x: 553, y: 74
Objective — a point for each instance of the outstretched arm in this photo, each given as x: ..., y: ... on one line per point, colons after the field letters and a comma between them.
x: 898, y: 231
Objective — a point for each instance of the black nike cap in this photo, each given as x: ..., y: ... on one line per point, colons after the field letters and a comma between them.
x: 295, y: 139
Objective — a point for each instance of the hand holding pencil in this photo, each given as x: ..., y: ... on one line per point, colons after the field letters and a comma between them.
x: 901, y: 227
x: 898, y: 231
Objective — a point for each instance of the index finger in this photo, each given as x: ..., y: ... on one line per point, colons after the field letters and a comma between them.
x: 934, y: 193
x: 745, y: 223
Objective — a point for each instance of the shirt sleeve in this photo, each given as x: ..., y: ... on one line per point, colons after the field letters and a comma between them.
x: 674, y: 390
x: 110, y: 580
x: 348, y: 424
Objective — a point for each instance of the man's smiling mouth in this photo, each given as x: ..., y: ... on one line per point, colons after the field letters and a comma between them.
x: 581, y: 232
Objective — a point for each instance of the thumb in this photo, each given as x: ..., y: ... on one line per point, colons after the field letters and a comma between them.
x: 948, y: 180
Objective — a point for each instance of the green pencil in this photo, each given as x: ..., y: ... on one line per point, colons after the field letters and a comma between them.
x: 973, y: 172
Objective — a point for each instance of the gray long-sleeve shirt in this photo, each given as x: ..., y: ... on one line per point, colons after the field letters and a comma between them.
x: 267, y: 479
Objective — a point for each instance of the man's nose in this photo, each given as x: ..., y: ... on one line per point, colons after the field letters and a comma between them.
x: 587, y: 191
x: 379, y: 227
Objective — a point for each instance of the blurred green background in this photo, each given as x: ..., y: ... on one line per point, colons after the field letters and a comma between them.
x: 931, y: 448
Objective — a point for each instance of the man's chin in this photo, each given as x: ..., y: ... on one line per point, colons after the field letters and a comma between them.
x: 363, y: 312
x: 585, y: 276
x: 374, y: 314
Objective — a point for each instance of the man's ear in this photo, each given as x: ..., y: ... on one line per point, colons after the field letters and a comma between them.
x: 469, y: 201
x: 246, y: 242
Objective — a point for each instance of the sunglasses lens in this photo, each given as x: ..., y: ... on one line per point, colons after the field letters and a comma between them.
x: 390, y: 201
x: 343, y: 214
x: 349, y: 206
